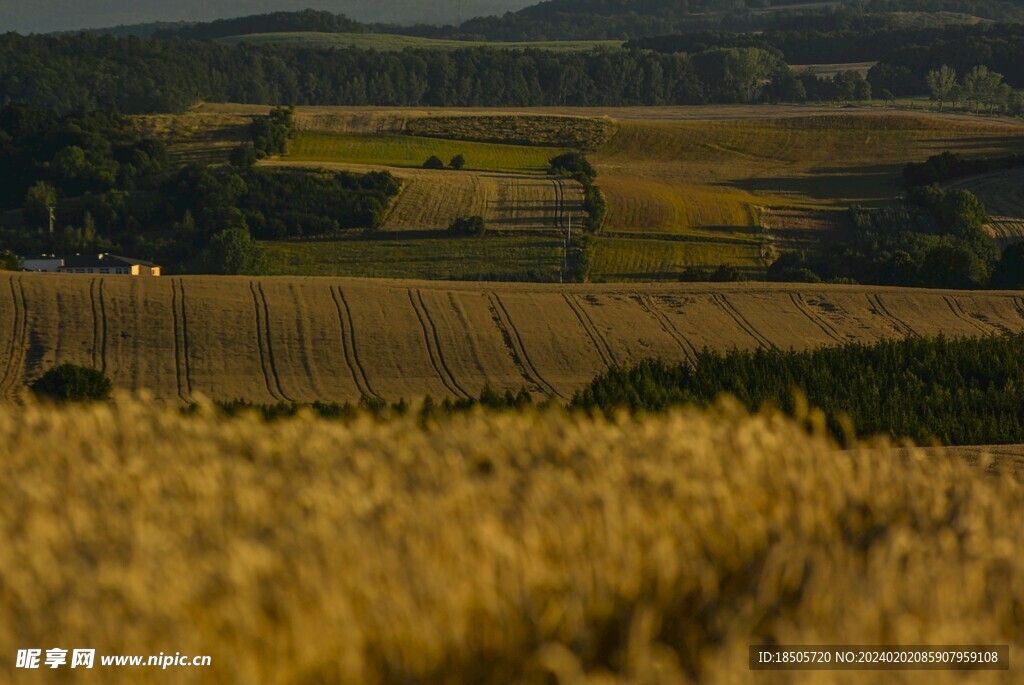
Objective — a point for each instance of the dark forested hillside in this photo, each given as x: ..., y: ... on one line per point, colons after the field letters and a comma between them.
x: 134, y: 75
x: 306, y: 20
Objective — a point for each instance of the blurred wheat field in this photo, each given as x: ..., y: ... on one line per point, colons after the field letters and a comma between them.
x: 494, y: 548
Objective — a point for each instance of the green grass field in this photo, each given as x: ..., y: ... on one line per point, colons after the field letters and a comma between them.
x: 389, y: 41
x: 412, y: 151
x: 492, y: 258
x: 639, y: 259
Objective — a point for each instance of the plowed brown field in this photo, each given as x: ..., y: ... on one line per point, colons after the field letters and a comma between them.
x: 306, y: 339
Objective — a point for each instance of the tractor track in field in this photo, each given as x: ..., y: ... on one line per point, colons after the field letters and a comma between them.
x: 958, y: 312
x: 805, y: 309
x: 306, y: 354
x: 264, y: 345
x: 600, y: 344
x: 348, y: 344
x: 901, y: 326
x: 651, y: 306
x: 433, y: 341
x: 559, y: 203
x: 741, y: 321
x: 99, y: 324
x: 18, y: 341
x: 510, y: 334
x: 183, y: 371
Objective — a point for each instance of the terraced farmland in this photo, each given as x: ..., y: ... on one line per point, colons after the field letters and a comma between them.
x: 305, y: 339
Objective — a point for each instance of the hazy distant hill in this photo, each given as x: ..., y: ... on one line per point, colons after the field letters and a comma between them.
x: 64, y: 15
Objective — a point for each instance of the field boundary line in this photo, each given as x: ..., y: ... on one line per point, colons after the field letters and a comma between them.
x: 603, y: 349
x: 519, y: 354
x: 899, y: 324
x: 433, y: 341
x: 260, y: 343
x: 19, y: 332
x: 805, y: 309
x: 741, y: 321
x: 650, y: 305
x: 958, y: 312
x: 348, y: 344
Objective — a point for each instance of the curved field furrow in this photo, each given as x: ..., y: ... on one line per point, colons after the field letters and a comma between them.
x: 349, y: 346
x: 9, y: 384
x: 392, y: 348
x: 261, y: 343
x: 96, y: 326
x: 729, y: 309
x: 959, y: 313
x: 269, y: 333
x: 268, y: 340
x: 600, y: 344
x: 560, y: 348
x: 185, y: 354
x: 899, y: 326
x: 649, y: 305
x: 433, y: 344
x: 180, y: 344
x: 474, y: 350
x: 103, y: 326
x: 515, y: 341
x: 803, y: 308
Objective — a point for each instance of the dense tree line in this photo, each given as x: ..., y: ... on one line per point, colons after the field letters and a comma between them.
x: 949, y: 165
x: 113, y: 189
x: 960, y: 392
x: 132, y: 75
x: 908, y: 59
x: 934, y: 239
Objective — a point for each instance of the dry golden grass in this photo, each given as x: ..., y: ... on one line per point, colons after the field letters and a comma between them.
x: 517, y: 548
x: 333, y: 339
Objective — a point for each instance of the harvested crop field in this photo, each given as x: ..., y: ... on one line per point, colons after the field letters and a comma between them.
x: 305, y: 339
x: 430, y: 199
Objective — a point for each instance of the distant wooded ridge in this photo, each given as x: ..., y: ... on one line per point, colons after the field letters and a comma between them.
x: 611, y: 19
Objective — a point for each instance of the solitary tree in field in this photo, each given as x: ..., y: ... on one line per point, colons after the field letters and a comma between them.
x: 458, y: 161
x: 941, y: 83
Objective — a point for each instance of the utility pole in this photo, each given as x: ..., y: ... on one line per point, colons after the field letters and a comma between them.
x: 51, y: 208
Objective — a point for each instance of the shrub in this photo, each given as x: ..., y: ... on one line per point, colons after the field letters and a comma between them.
x: 458, y: 161
x: 72, y: 383
x: 473, y: 225
x: 433, y: 162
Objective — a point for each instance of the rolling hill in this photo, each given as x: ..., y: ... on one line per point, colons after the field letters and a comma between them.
x: 305, y: 339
